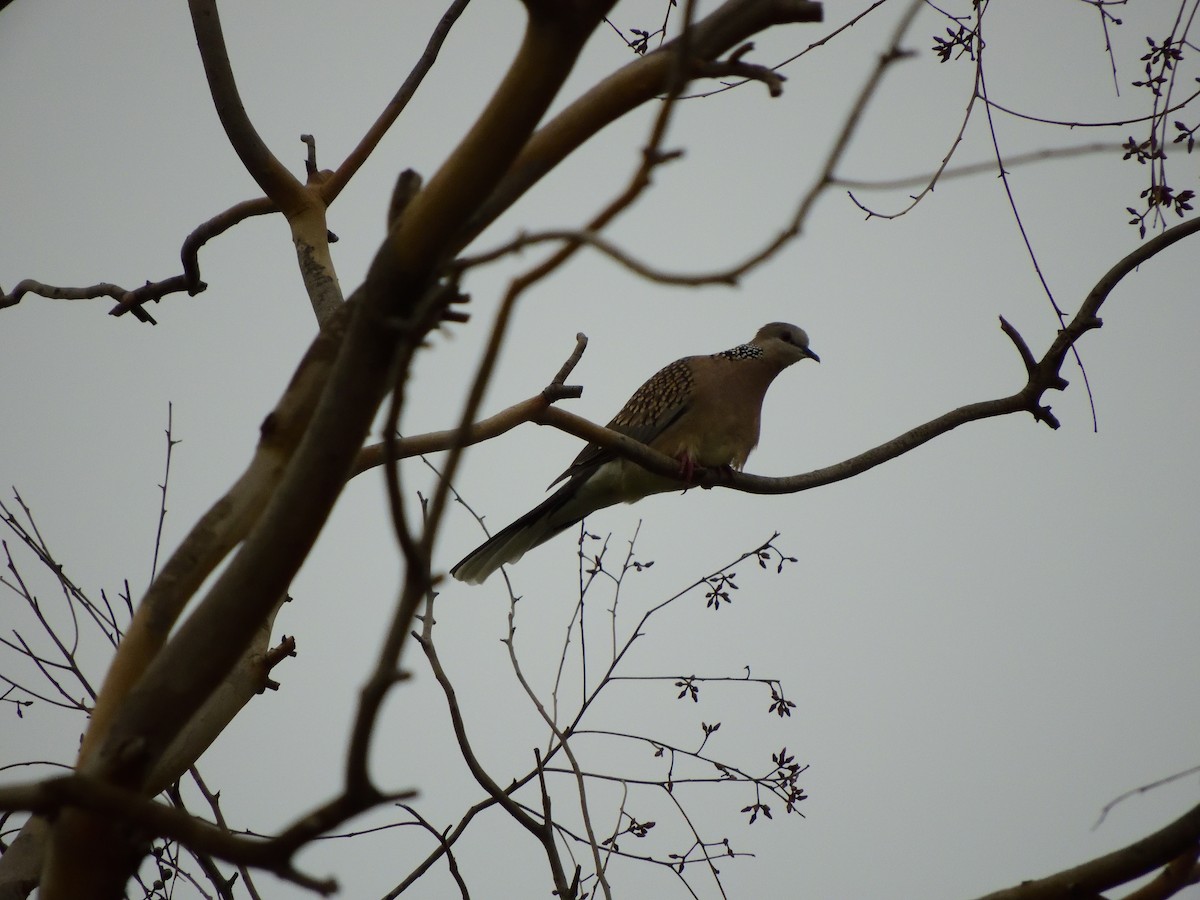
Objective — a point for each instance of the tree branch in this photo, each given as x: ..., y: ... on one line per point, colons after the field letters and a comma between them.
x: 391, y: 316
x: 130, y: 299
x: 1116, y: 868
x: 365, y: 147
x: 273, y: 855
x: 280, y: 185
x: 647, y: 77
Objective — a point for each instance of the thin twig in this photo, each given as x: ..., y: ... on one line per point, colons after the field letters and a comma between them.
x: 214, y: 803
x: 162, y: 511
x: 1154, y: 785
x: 370, y: 140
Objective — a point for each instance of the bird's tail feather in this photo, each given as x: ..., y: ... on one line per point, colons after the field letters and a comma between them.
x: 511, y: 543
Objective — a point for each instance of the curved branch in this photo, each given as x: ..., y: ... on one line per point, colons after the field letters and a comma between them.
x: 354, y: 161
x: 894, y: 53
x: 435, y: 441
x: 329, y: 187
x: 131, y: 299
x: 393, y: 313
x: 1116, y: 868
x: 969, y: 169
x: 1042, y: 375
x: 604, y: 246
x: 189, y: 253
x: 271, y: 175
x: 647, y: 77
x: 1115, y: 123
x: 275, y: 854
x: 543, y: 830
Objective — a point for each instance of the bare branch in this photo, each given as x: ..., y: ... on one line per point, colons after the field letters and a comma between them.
x: 1179, y: 873
x: 885, y: 60
x: 1116, y: 868
x: 1108, y: 807
x: 329, y: 187
x: 735, y: 68
x: 728, y: 26
x: 52, y: 796
x: 493, y: 426
x: 214, y: 803
x: 541, y: 830
x: 1044, y: 376
x: 271, y: 175
x: 1113, y: 123
x: 355, y: 159
x: 162, y: 511
x: 129, y: 299
x: 590, y: 238
x: 451, y: 862
x: 964, y: 171
x: 394, y: 310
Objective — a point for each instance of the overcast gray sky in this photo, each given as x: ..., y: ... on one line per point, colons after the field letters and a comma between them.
x: 986, y: 640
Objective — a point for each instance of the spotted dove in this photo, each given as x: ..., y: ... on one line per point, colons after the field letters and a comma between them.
x: 702, y: 410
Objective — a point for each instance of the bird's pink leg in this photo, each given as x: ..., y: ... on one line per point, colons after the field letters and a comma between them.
x: 687, y: 467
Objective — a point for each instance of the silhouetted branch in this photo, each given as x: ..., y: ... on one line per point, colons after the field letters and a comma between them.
x: 541, y: 830
x: 366, y: 146
x: 1179, y: 873
x: 130, y: 300
x: 1116, y: 868
x: 280, y: 185
x: 1108, y: 807
x: 214, y: 803
x: 728, y: 26
x: 53, y: 795
x: 965, y: 171
x: 1113, y: 123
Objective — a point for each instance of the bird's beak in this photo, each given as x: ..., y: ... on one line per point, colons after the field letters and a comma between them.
x: 811, y: 355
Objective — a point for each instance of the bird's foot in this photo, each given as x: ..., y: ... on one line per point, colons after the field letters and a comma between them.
x: 717, y: 475
x: 687, y: 468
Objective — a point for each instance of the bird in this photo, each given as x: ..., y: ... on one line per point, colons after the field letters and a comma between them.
x: 702, y: 410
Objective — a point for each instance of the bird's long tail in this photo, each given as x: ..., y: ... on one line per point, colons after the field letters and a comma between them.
x: 507, y: 546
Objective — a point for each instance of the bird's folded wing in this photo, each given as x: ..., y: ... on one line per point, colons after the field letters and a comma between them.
x: 593, y: 456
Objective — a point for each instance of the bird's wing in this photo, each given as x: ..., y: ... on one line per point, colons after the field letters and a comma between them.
x: 654, y: 407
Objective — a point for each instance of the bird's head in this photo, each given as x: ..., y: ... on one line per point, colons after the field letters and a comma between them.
x: 784, y: 344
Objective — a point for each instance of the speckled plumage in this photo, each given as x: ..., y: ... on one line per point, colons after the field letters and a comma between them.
x: 702, y: 410
x: 666, y: 390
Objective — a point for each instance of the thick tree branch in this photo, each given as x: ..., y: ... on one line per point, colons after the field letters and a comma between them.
x: 271, y: 175
x: 301, y: 204
x: 275, y: 855
x: 1116, y: 868
x: 329, y: 187
x: 391, y: 313
x: 217, y: 532
x: 1179, y: 873
x: 647, y: 77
